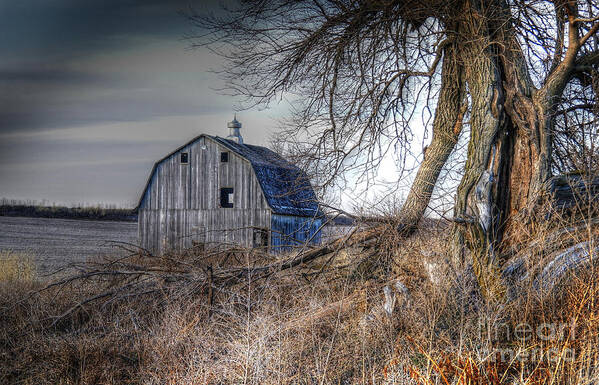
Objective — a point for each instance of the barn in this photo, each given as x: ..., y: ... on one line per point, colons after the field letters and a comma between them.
x: 221, y: 191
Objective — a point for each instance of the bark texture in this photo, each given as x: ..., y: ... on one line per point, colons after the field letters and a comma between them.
x: 477, y: 193
x: 512, y: 123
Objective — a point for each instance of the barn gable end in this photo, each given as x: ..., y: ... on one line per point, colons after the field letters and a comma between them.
x: 181, y: 203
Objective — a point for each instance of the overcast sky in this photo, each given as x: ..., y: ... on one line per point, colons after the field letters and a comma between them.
x: 93, y: 92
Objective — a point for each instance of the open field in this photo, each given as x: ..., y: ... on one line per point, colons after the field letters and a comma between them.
x: 54, y: 243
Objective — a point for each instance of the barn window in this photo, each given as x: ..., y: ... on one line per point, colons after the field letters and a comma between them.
x: 184, y: 158
x: 226, y: 197
x: 224, y: 157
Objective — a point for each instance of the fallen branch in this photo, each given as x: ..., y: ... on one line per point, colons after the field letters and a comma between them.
x: 129, y: 276
x: 352, y: 239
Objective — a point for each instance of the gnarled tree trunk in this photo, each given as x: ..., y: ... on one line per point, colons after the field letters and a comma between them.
x: 509, y: 154
x: 478, y: 193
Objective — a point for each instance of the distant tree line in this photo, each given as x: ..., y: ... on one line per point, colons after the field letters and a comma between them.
x: 15, y: 208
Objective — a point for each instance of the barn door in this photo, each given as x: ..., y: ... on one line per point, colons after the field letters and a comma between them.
x: 198, y: 237
x: 260, y: 238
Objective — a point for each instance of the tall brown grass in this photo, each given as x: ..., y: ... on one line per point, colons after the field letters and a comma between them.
x: 324, y: 323
x: 16, y: 267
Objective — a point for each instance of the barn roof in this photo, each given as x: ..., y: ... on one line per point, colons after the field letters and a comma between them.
x: 286, y: 188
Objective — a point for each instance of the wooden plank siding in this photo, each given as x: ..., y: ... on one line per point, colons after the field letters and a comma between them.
x: 182, y: 202
x: 288, y: 231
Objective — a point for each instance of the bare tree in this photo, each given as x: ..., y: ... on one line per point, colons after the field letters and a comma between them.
x: 518, y: 73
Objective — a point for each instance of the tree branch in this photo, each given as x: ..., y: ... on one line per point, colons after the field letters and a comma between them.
x: 586, y: 60
x: 586, y: 20
x: 590, y: 33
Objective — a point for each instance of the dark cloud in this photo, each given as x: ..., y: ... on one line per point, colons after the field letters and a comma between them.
x: 113, y: 109
x: 72, y: 152
x: 45, y: 99
x: 58, y: 77
x: 40, y: 40
x: 67, y: 27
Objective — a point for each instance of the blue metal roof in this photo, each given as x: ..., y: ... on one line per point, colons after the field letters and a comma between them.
x: 286, y: 188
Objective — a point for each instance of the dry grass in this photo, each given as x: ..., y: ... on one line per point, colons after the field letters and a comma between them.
x: 16, y: 267
x: 319, y: 324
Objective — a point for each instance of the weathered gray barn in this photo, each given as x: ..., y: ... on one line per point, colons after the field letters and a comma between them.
x: 214, y: 190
